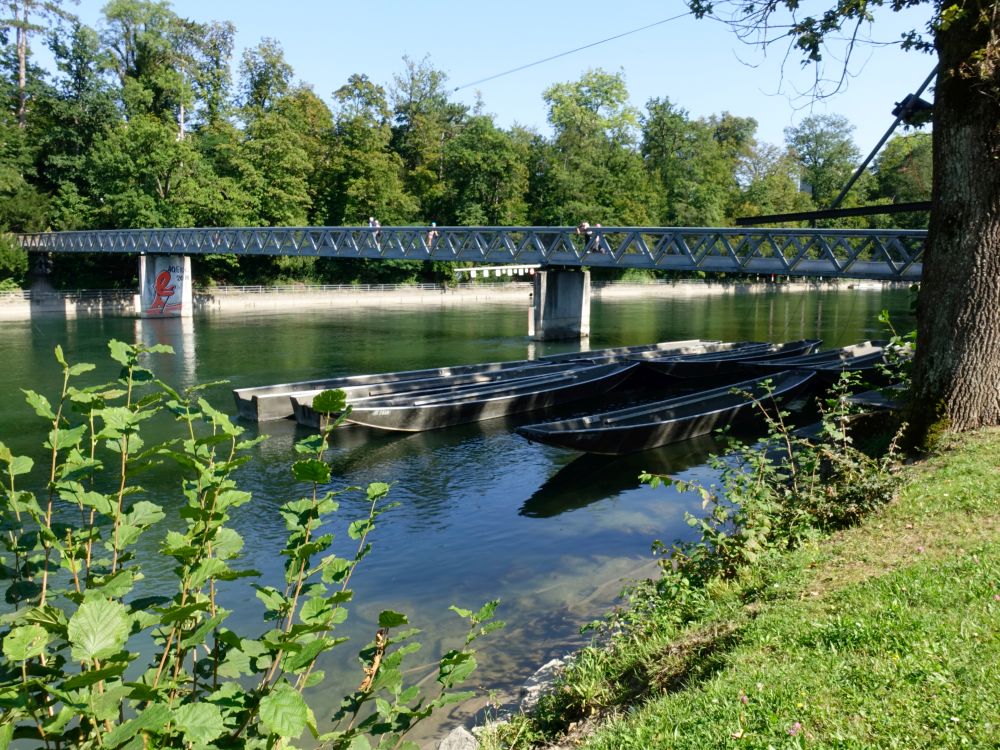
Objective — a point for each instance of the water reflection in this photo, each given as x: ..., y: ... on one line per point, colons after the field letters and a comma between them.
x: 591, y: 478
x: 177, y: 333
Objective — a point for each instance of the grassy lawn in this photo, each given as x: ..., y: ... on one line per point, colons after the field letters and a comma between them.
x: 883, y: 635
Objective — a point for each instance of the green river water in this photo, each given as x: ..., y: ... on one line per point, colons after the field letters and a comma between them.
x: 484, y: 514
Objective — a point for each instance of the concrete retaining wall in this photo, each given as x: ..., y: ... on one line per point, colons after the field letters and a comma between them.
x: 24, y: 305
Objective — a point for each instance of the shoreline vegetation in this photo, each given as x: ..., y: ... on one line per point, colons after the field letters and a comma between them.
x: 883, y: 633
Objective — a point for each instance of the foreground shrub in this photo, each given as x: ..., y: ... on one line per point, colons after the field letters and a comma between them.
x: 72, y: 673
x: 776, y: 494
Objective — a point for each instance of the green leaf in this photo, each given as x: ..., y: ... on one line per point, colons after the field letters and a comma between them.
x: 377, y: 490
x: 227, y: 543
x: 116, y: 586
x: 486, y: 611
x: 308, y: 653
x: 25, y: 642
x: 273, y: 599
x: 144, y: 513
x: 98, y: 629
x: 231, y: 499
x: 65, y: 437
x: 207, y: 569
x: 197, y: 636
x: 311, y: 470
x: 103, y: 504
x: 155, y: 716
x: 59, y: 355
x: 455, y: 667
x: 359, y: 528
x: 117, y: 420
x: 390, y: 619
x: 39, y: 403
x: 283, y: 711
x: 121, y: 352
x: 312, y: 444
x: 449, y: 698
x: 199, y: 722
x: 235, y: 664
x: 315, y: 610
x: 80, y: 369
x: 329, y: 402
x: 20, y: 465
x: 85, y: 679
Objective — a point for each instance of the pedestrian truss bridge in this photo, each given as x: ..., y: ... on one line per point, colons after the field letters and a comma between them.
x: 888, y: 254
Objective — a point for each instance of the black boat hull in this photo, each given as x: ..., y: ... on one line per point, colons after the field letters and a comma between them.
x: 416, y: 415
x: 652, y: 425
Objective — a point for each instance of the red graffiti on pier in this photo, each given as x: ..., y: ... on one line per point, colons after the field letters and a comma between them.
x: 163, y: 290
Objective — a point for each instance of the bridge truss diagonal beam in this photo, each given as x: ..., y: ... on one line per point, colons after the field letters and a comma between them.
x: 893, y: 254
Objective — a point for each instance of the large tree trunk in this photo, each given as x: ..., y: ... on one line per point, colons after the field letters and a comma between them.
x: 957, y: 369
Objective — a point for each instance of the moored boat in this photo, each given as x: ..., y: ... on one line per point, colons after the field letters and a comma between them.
x: 716, y: 364
x: 266, y: 403
x: 428, y: 411
x: 828, y: 364
x: 426, y: 387
x: 654, y: 424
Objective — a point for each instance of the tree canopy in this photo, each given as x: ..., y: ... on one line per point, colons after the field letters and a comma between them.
x: 141, y: 123
x: 957, y: 366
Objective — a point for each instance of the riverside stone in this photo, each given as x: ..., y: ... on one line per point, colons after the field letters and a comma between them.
x: 539, y: 682
x: 459, y: 738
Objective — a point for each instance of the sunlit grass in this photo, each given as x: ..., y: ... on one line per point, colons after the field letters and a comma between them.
x: 883, y: 635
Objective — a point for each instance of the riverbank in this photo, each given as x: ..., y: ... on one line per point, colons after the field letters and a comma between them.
x: 117, y: 303
x: 886, y: 634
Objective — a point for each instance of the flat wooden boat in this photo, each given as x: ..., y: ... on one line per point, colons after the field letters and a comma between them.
x: 431, y: 411
x: 425, y: 387
x: 265, y: 403
x: 270, y: 402
x: 828, y: 364
x: 651, y: 425
x: 716, y: 364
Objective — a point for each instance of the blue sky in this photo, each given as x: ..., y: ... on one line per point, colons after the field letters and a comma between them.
x: 700, y: 65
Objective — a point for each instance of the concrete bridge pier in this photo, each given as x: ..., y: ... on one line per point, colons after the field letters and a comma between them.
x: 40, y: 272
x: 561, y: 305
x: 165, y: 286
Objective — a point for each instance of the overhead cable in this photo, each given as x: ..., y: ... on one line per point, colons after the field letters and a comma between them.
x: 570, y: 52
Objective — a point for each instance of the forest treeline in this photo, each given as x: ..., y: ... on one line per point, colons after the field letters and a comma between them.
x: 149, y: 121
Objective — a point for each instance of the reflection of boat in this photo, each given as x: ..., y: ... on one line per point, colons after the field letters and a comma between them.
x: 265, y: 403
x: 649, y: 425
x: 712, y: 364
x: 827, y: 364
x: 421, y: 411
x: 588, y: 479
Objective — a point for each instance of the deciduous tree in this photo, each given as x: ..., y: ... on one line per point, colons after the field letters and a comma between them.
x: 957, y: 367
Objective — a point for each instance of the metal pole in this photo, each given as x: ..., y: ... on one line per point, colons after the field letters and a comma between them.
x: 878, y: 146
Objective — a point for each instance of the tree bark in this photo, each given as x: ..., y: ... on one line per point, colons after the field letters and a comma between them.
x: 956, y: 380
x: 22, y: 65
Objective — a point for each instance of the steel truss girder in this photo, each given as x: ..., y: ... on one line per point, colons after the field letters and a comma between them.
x: 850, y: 253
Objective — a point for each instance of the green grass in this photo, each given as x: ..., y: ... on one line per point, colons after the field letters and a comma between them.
x: 885, y: 635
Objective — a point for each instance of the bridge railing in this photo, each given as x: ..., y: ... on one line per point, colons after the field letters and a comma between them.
x: 856, y: 253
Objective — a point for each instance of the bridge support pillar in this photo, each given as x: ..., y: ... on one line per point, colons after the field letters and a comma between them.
x: 561, y: 305
x: 40, y: 272
x: 165, y: 286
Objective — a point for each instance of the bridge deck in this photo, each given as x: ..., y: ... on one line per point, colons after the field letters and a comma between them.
x: 850, y: 253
